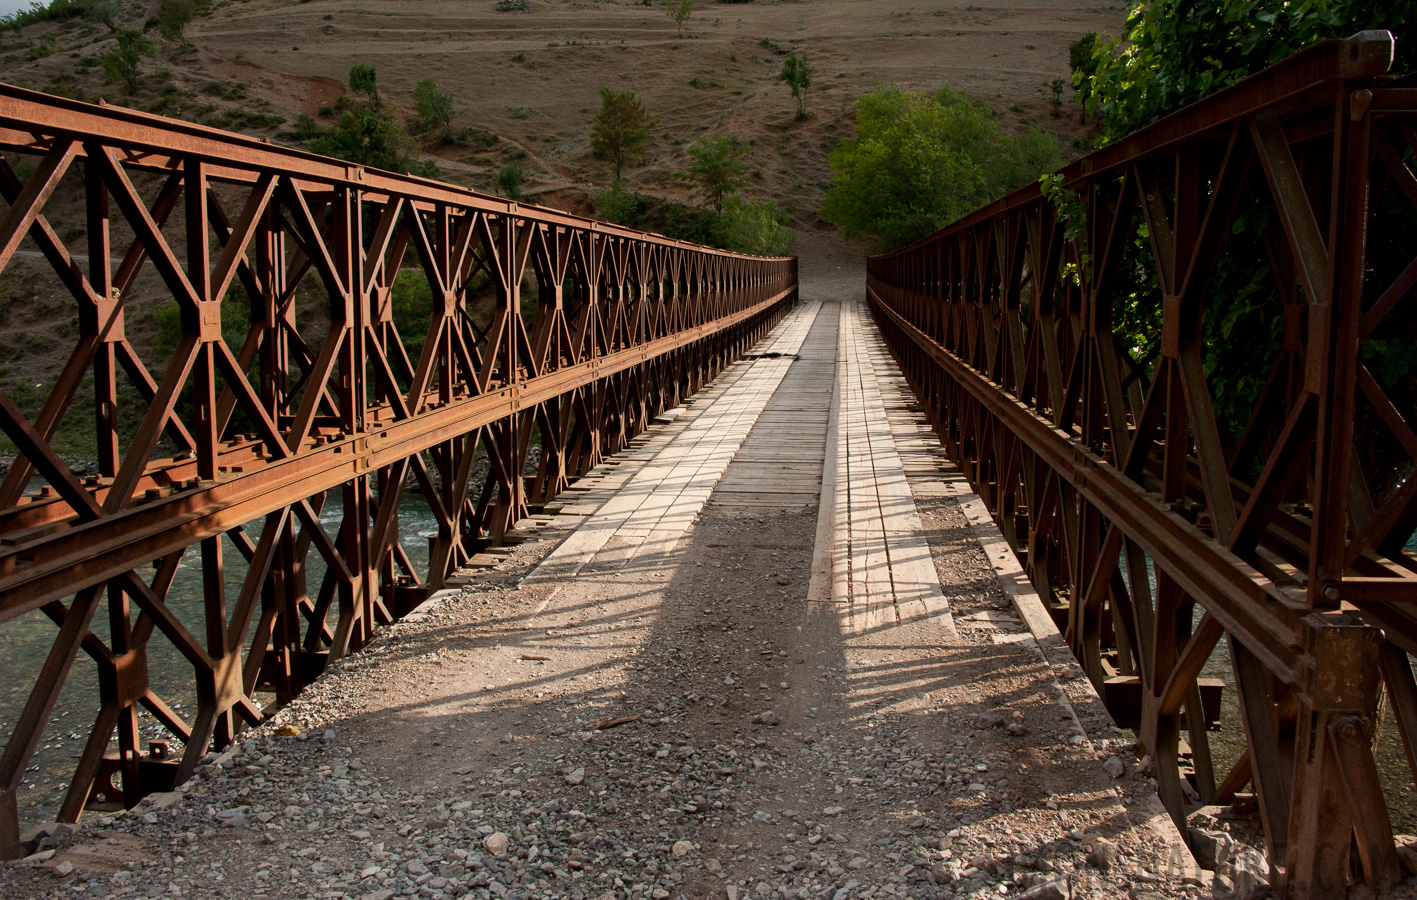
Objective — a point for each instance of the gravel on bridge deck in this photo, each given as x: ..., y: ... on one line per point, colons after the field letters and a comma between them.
x: 761, y: 654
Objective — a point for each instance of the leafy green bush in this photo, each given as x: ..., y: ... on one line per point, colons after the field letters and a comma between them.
x: 752, y: 226
x: 172, y: 19
x: 474, y: 138
x: 1174, y: 52
x: 718, y: 169
x: 680, y: 11
x: 435, y: 108
x: 304, y: 129
x: 365, y: 79
x: 102, y: 11
x: 510, y: 179
x: 121, y: 63
x: 918, y: 162
x: 413, y: 308
x: 373, y: 137
x: 618, y: 205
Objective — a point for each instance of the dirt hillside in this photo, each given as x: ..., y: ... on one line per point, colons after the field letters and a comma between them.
x: 526, y: 79
x: 531, y: 76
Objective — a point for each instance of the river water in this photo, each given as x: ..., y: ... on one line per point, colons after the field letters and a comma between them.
x: 25, y: 641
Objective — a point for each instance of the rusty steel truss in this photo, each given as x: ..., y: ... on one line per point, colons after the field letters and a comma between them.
x: 1154, y: 527
x: 542, y: 330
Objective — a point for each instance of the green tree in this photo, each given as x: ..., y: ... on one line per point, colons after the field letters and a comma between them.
x: 718, y: 169
x: 121, y: 63
x: 756, y: 227
x: 364, y: 79
x: 680, y: 11
x: 373, y: 137
x: 797, y: 73
x: 918, y: 162
x: 172, y: 19
x: 434, y: 107
x: 103, y: 12
x: 1174, y: 52
x: 510, y: 179
x: 1056, y: 86
x: 621, y: 129
x: 616, y: 204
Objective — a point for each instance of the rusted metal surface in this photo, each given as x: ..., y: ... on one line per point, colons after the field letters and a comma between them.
x: 545, y: 329
x: 1155, y: 526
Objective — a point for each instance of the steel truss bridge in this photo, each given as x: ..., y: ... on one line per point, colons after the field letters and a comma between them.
x: 1155, y: 532
x: 1085, y: 418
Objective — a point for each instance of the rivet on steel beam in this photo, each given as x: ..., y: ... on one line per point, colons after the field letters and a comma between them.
x: 1331, y: 593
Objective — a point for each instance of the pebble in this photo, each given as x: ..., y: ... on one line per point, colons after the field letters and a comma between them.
x: 1105, y: 855
x: 1049, y: 890
x: 495, y: 843
x: 916, y: 813
x: 1114, y: 766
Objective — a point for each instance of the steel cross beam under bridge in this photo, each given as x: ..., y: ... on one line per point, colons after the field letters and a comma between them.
x: 1065, y: 349
x: 293, y: 386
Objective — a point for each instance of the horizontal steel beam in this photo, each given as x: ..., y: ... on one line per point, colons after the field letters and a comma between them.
x: 56, y: 565
x: 1227, y: 586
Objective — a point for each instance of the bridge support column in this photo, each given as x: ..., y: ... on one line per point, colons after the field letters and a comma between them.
x: 1336, y: 799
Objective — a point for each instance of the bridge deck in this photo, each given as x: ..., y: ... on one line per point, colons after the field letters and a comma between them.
x: 784, y: 590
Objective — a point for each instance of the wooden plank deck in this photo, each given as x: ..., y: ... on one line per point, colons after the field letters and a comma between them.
x: 809, y: 426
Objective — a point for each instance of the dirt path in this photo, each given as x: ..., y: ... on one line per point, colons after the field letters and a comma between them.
x: 697, y: 713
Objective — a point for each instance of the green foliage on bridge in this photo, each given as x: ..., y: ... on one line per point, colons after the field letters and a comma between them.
x: 1174, y: 52
x: 920, y: 161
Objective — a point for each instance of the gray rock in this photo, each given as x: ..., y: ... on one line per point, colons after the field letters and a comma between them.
x: 1114, y: 766
x: 767, y: 717
x: 1244, y: 877
x: 988, y: 719
x: 1056, y: 889
x: 163, y: 799
x: 577, y: 776
x: 1212, y: 848
x: 1105, y: 855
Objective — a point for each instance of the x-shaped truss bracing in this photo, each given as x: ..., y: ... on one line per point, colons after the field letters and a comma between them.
x: 387, y: 340
x: 1153, y: 522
